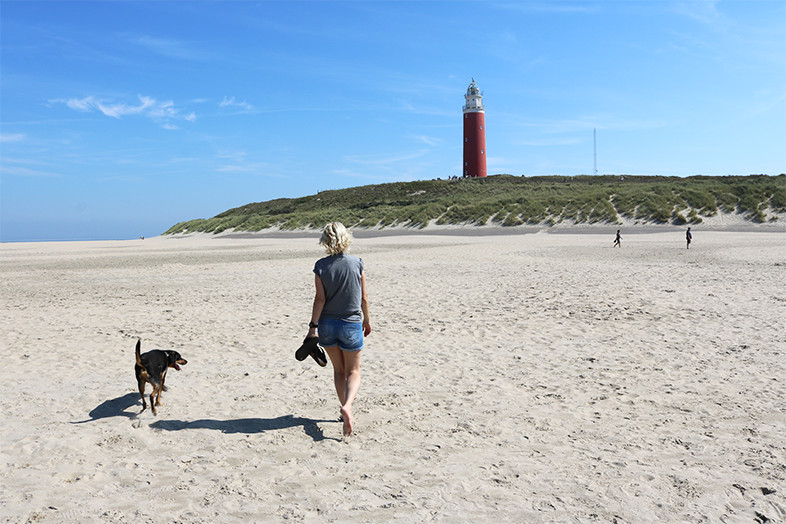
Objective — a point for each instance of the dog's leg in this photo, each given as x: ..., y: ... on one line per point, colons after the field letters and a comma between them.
x: 142, y: 394
x: 161, y: 387
x: 152, y: 400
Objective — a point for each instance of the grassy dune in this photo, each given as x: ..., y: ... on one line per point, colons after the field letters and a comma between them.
x: 510, y: 201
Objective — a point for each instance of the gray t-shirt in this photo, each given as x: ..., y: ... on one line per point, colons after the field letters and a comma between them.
x: 340, y: 274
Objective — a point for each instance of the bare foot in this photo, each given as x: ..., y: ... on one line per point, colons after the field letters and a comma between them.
x: 346, y: 415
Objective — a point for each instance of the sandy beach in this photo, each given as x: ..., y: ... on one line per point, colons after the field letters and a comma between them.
x: 516, y: 378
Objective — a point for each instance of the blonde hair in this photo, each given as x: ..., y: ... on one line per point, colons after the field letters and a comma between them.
x: 336, y: 238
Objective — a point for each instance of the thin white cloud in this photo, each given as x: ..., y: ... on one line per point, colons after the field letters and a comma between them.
x: 231, y: 102
x: 26, y: 172
x: 17, y: 137
x: 147, y: 106
x: 234, y: 156
x: 85, y: 104
x: 703, y: 11
x: 169, y: 48
x: 118, y: 110
x: 428, y: 140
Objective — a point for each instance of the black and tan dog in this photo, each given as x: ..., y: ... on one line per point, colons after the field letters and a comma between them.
x: 151, y: 367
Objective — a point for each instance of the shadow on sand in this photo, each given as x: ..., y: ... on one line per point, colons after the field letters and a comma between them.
x: 249, y: 425
x: 115, y: 407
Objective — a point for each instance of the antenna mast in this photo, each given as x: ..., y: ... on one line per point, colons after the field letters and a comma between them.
x: 594, y: 152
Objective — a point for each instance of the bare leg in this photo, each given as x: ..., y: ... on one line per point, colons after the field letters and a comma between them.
x: 352, y: 381
x: 346, y: 377
x: 339, y: 378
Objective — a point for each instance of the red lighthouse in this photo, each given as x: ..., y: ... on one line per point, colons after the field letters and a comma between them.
x: 474, y: 133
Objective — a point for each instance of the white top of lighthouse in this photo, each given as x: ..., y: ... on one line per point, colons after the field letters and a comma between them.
x: 474, y: 100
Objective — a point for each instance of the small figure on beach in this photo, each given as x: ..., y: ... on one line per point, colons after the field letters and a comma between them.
x: 617, y: 240
x: 688, y: 237
x: 340, y: 314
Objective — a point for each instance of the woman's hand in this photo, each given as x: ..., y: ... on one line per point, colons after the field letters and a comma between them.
x: 316, y: 309
x: 366, y: 328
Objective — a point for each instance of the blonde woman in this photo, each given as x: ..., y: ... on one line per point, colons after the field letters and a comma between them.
x: 340, y: 314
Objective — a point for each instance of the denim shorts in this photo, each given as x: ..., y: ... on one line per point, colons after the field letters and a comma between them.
x: 348, y: 336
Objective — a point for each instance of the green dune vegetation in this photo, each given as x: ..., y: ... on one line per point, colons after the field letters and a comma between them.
x: 506, y: 200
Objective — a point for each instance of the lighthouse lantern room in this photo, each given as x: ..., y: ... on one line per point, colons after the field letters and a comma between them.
x: 474, y: 133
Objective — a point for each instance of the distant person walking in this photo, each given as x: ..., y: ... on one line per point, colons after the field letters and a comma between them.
x: 688, y: 237
x: 617, y: 240
x: 340, y: 314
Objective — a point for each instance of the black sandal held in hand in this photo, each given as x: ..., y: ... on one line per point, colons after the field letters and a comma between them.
x: 311, y: 347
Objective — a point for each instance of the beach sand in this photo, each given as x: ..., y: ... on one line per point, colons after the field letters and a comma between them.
x: 520, y: 378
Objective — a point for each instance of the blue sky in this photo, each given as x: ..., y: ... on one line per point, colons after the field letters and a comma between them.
x: 120, y: 119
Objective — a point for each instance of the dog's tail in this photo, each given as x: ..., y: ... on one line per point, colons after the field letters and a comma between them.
x: 138, y: 352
